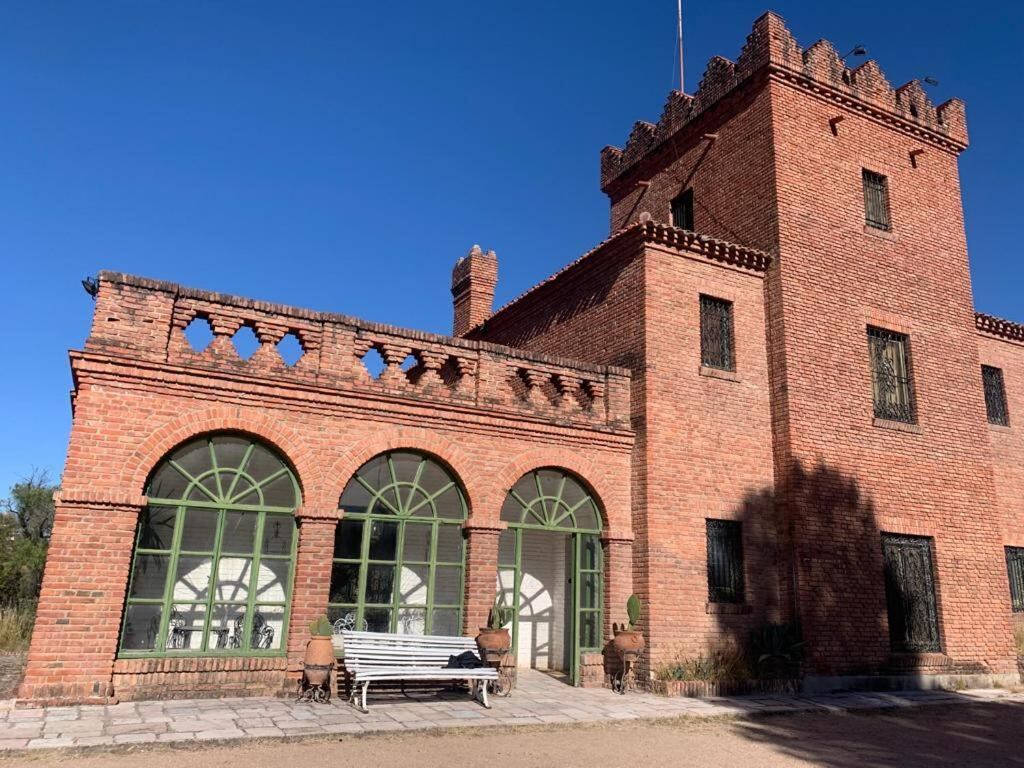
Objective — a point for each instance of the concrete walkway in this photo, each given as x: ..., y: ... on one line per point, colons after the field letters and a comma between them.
x: 538, y: 700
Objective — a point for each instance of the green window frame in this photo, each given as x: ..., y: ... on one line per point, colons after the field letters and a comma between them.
x: 399, y: 550
x: 214, y: 553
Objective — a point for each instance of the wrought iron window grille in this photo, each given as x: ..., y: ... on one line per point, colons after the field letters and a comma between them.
x: 995, y: 396
x: 1015, y: 570
x: 910, y: 594
x: 725, y: 562
x: 717, y: 344
x: 682, y: 211
x: 891, y: 376
x: 876, y: 200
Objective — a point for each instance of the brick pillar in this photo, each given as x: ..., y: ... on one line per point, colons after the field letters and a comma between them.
x: 481, y: 577
x: 78, y: 621
x: 618, y: 582
x: 473, y: 280
x: 312, y: 580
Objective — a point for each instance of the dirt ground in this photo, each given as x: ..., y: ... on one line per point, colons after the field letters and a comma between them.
x: 964, y: 735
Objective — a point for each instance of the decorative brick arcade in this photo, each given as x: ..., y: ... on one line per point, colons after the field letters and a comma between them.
x: 609, y: 371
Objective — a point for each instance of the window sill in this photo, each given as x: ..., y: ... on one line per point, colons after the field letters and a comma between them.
x: 733, y: 609
x: 883, y: 234
x: 999, y: 427
x: 897, y: 426
x: 719, y: 373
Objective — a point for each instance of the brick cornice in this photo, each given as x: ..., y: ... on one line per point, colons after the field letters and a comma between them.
x: 84, y: 497
x: 997, y: 326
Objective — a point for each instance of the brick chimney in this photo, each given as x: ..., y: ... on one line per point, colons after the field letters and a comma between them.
x: 473, y: 281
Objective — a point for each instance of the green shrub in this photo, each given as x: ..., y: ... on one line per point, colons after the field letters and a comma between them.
x: 16, y: 627
x: 722, y: 663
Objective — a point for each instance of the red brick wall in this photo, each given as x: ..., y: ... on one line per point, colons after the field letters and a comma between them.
x: 850, y: 478
x: 138, y: 396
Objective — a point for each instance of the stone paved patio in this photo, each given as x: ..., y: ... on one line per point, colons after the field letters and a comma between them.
x: 538, y: 700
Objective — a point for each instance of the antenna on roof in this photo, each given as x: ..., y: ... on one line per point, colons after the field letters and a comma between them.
x: 679, y: 26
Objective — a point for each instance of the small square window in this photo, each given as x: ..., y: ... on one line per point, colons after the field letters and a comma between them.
x: 716, y: 334
x: 1015, y: 567
x: 891, y: 375
x: 682, y: 211
x: 995, y: 395
x: 876, y: 200
x: 725, y: 561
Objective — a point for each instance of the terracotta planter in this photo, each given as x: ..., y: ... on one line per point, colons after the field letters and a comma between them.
x: 628, y: 641
x: 318, y: 659
x: 493, y: 643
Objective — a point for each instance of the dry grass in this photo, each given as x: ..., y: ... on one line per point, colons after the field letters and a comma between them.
x: 722, y: 663
x: 1018, y: 638
x: 15, y: 629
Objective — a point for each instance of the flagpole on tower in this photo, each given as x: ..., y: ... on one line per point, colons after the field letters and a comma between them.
x: 679, y: 19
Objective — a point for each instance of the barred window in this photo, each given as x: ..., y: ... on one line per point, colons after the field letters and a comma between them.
x: 891, y: 375
x: 876, y: 200
x: 682, y: 210
x: 1015, y: 567
x: 725, y: 561
x: 995, y: 395
x: 716, y: 335
x: 910, y: 593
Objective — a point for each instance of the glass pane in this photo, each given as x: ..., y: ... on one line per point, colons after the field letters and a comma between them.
x: 434, y: 477
x: 280, y: 492
x: 590, y: 635
x: 559, y: 511
x: 194, y: 457
x: 405, y: 465
x: 590, y: 586
x: 185, y: 627
x: 233, y: 577
x: 239, y: 532
x: 193, y: 580
x: 150, y: 576
x: 262, y: 463
x: 229, y: 451
x: 446, y: 622
x: 278, y: 532
x: 226, y: 627
x: 375, y: 472
x: 156, y: 527
x: 199, y: 531
x: 386, y: 504
x: 141, y: 626
x: 344, y: 583
x: 550, y: 481
x: 418, y: 503
x: 348, y: 539
x: 573, y: 492
x: 383, y: 539
x: 449, y: 543
x: 417, y: 542
x: 590, y: 553
x: 267, y: 628
x: 506, y: 586
x: 167, y: 483
x: 355, y: 498
x: 412, y: 621
x: 380, y: 581
x: 346, y: 614
x: 449, y: 505
x: 272, y: 581
x: 413, y: 587
x: 511, y: 510
x: 448, y: 585
x: 243, y: 492
x: 507, y: 547
x: 587, y: 517
x: 378, y: 620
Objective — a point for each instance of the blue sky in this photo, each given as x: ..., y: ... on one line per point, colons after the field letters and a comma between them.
x: 342, y: 155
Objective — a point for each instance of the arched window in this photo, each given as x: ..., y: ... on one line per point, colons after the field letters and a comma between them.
x: 551, y: 499
x: 398, y: 551
x: 214, y: 552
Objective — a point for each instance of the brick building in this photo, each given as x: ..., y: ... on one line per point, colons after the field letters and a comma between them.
x: 765, y: 398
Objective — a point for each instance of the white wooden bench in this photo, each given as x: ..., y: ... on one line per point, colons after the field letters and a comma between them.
x: 378, y: 656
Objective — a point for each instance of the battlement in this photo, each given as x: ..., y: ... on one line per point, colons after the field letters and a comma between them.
x: 143, y: 322
x: 771, y: 48
x: 997, y: 326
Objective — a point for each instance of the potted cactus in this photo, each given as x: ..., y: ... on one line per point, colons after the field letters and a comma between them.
x: 628, y: 639
x: 494, y: 640
x: 319, y: 656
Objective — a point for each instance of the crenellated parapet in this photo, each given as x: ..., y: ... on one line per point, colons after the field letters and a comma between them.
x: 144, y: 323
x: 771, y: 48
x: 997, y: 326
